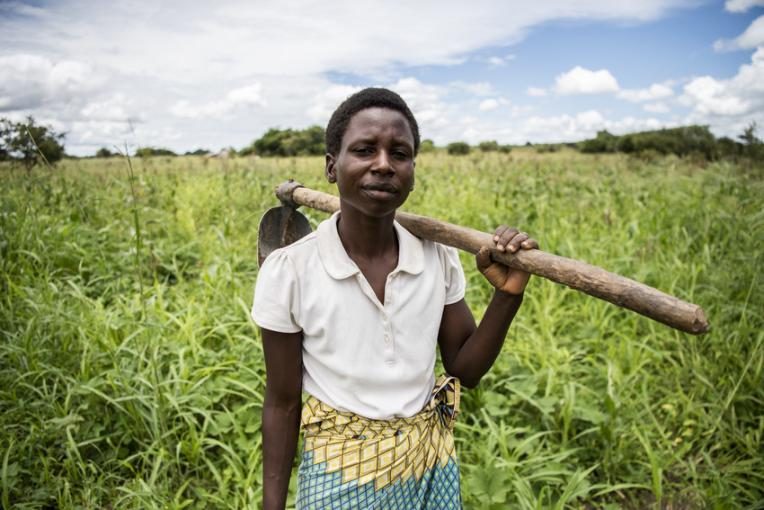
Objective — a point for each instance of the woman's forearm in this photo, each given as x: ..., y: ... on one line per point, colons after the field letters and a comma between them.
x: 280, y: 428
x: 478, y: 353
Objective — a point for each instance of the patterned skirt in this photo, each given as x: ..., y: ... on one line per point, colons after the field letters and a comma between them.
x: 405, y: 463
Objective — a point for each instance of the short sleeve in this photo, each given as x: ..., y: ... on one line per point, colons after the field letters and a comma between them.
x: 453, y: 274
x: 276, y: 295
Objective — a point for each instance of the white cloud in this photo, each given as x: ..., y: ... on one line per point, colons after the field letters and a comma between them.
x: 20, y: 9
x: 185, y: 110
x: 462, y: 121
x: 180, y: 69
x: 753, y: 35
x: 591, y: 119
x: 740, y: 96
x: 520, y: 110
x: 426, y: 102
x: 539, y: 128
x: 27, y: 81
x: 492, y: 103
x: 742, y: 5
x: 751, y: 38
x: 233, y: 38
x: 500, y: 60
x: 251, y: 95
x: 580, y: 80
x: 481, y: 88
x: 653, y: 92
x: 487, y: 105
x: 114, y: 108
x: 327, y: 100
x: 536, y: 92
x: 239, y: 98
x: 562, y: 128
x: 713, y: 97
x: 102, y: 133
x: 659, y: 107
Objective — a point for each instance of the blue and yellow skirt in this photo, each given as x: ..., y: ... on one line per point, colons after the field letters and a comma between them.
x: 406, y: 463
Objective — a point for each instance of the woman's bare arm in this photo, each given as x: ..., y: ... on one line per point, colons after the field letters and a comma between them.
x: 468, y: 351
x: 281, y: 413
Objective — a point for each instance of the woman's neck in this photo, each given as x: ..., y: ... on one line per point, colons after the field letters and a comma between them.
x: 365, y: 236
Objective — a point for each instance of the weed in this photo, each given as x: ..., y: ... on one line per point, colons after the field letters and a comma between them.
x: 132, y: 377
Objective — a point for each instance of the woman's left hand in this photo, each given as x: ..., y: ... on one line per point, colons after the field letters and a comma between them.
x: 504, y: 278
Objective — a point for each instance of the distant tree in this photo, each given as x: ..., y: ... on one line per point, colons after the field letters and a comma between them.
x: 547, y: 147
x: 623, y: 144
x: 693, y: 140
x: 754, y: 147
x: 103, y: 152
x: 729, y: 148
x: 249, y: 150
x: 489, y: 146
x: 493, y: 146
x: 748, y: 136
x: 30, y: 143
x: 197, y: 152
x: 288, y: 142
x: 426, y: 145
x: 681, y: 141
x: 143, y: 152
x: 458, y: 148
x: 604, y: 142
x: 5, y: 133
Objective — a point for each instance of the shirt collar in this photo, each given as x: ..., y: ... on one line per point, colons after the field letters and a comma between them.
x: 338, y: 263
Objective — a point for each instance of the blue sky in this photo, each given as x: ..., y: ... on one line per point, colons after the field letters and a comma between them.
x: 189, y: 74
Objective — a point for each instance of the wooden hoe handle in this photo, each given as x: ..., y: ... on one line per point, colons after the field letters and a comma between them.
x: 578, y: 275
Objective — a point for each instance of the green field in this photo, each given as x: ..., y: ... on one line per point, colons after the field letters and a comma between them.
x: 132, y: 377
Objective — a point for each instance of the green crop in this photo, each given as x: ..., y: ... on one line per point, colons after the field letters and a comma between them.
x: 132, y: 377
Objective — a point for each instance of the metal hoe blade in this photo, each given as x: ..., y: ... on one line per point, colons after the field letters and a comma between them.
x: 279, y: 227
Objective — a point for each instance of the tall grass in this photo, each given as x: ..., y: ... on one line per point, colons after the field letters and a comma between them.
x: 118, y: 395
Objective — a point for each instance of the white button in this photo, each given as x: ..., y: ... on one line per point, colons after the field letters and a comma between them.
x: 387, y: 338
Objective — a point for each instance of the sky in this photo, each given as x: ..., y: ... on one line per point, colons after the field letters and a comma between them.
x: 193, y: 74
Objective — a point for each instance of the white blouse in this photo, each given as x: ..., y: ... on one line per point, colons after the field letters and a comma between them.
x: 359, y: 355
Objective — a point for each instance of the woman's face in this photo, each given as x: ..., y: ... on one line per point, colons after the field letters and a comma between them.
x: 374, y: 169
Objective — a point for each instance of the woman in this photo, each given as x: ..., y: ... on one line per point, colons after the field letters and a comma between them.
x: 352, y: 314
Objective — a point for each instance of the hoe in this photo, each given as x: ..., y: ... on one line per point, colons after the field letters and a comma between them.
x: 283, y: 225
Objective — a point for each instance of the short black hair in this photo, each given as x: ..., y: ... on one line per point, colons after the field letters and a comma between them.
x: 372, y: 97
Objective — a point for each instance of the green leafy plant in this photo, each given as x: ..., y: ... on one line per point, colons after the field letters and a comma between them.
x: 132, y: 377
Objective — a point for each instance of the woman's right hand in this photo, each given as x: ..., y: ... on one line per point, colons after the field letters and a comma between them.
x: 504, y: 278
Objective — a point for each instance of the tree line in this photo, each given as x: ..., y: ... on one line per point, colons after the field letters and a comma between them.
x: 682, y: 141
x: 30, y: 143
x: 695, y: 141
